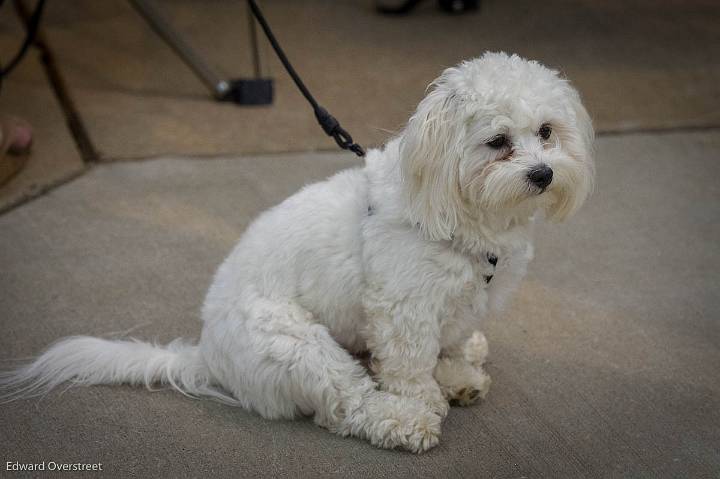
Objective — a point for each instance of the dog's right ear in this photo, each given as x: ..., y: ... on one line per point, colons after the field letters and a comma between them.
x: 430, y: 152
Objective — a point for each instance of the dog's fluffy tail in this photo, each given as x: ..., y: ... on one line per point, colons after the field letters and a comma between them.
x: 84, y: 360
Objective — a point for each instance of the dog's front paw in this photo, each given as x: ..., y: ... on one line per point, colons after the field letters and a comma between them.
x: 461, y: 382
x: 469, y: 394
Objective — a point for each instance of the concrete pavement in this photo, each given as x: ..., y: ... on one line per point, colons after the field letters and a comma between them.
x: 605, y: 365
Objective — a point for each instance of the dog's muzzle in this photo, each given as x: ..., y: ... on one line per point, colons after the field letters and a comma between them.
x: 540, y: 176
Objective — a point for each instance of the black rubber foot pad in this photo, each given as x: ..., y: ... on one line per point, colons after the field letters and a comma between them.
x: 250, y: 91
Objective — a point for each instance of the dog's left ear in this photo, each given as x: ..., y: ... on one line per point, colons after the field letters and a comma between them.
x: 430, y: 151
x: 579, y: 144
x: 584, y: 126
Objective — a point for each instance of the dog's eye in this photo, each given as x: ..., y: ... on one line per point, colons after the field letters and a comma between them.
x: 497, y: 142
x: 545, y: 131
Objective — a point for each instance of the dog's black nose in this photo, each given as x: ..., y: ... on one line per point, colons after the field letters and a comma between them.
x: 541, y: 176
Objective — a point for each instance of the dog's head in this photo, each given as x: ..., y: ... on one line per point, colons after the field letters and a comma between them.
x: 496, y: 135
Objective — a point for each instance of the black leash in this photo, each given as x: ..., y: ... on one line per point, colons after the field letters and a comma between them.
x: 31, y: 30
x: 328, y: 122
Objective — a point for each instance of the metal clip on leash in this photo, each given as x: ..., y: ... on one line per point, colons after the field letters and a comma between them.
x: 332, y: 128
x: 328, y: 122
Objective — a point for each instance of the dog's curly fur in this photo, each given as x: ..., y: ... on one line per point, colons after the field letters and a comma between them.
x: 402, y: 257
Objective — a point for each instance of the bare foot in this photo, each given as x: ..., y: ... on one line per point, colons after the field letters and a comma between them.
x: 15, y: 141
x: 15, y: 135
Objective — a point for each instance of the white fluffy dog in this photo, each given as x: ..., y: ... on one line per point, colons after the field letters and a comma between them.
x: 401, y: 258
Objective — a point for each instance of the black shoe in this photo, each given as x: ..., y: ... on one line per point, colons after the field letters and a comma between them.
x: 459, y: 6
x: 395, y: 7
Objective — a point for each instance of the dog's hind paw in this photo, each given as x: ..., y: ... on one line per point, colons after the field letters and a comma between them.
x: 391, y: 421
x: 415, y: 435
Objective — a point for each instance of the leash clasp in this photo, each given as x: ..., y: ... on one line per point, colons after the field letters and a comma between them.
x: 332, y: 127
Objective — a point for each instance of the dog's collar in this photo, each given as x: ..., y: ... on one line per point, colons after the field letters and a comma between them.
x: 492, y: 259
